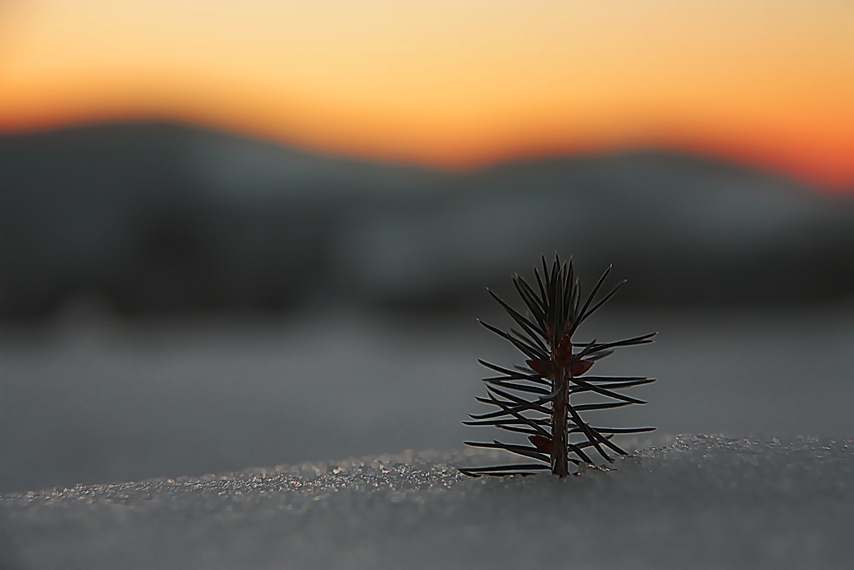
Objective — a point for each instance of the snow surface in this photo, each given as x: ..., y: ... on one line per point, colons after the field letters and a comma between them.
x: 96, y: 400
x: 697, y: 502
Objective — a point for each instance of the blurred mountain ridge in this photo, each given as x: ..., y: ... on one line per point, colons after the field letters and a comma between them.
x: 159, y: 217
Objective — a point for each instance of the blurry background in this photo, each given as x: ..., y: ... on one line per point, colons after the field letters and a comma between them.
x: 247, y: 233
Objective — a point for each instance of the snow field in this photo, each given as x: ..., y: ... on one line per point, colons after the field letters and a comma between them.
x: 697, y: 502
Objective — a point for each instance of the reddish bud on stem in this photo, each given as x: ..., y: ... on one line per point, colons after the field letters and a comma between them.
x: 541, y: 442
x: 580, y: 367
x: 537, y: 367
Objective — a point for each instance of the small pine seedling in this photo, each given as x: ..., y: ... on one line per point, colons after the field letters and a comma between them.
x: 554, y: 372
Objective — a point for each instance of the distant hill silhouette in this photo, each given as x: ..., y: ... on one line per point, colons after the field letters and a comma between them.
x: 158, y: 218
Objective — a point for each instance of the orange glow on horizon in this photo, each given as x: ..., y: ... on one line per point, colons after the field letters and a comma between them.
x: 764, y: 83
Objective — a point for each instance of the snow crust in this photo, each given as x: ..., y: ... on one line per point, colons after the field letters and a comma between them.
x: 697, y: 502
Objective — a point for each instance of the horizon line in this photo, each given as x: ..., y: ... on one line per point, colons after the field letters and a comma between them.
x: 543, y: 154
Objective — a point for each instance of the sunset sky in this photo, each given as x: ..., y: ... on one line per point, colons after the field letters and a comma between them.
x: 453, y: 83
